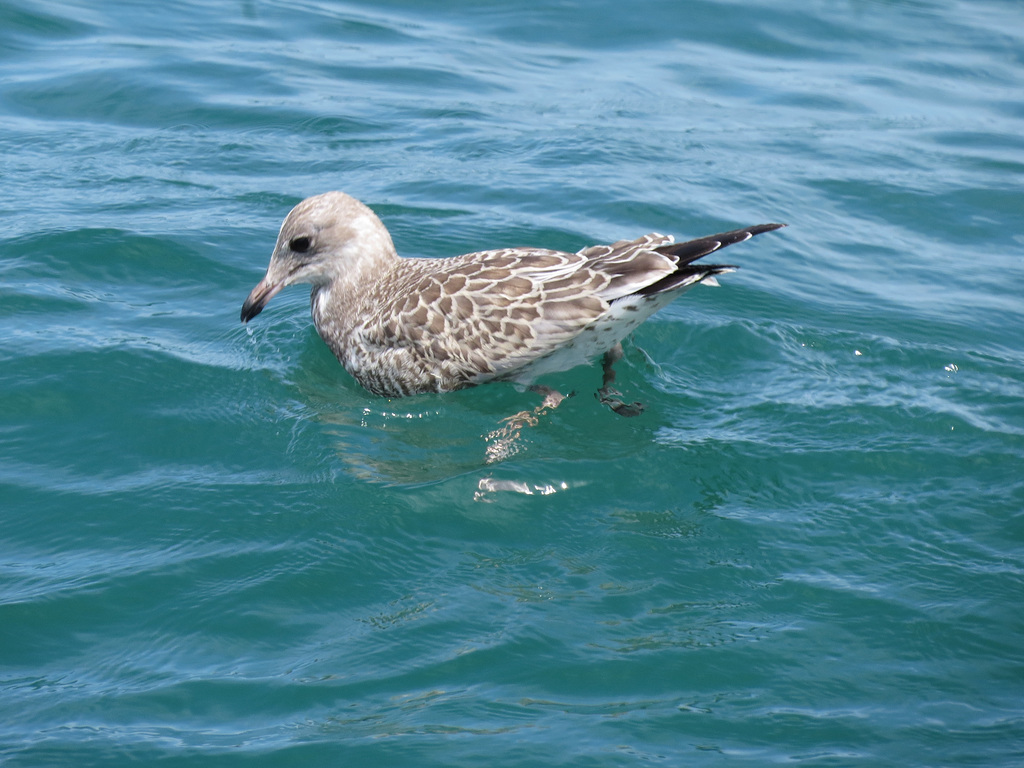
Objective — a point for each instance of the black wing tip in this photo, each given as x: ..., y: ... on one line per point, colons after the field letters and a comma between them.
x: 683, y: 276
x: 691, y: 250
x: 744, y: 233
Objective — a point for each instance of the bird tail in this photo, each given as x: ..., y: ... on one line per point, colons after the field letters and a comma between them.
x: 686, y: 253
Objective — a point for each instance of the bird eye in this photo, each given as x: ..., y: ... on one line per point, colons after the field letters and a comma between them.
x: 300, y: 244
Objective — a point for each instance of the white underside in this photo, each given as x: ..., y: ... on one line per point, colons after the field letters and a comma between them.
x: 622, y: 319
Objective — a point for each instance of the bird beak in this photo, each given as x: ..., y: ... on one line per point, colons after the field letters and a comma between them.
x: 261, y: 294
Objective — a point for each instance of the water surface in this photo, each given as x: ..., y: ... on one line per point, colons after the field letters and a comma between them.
x: 217, y: 549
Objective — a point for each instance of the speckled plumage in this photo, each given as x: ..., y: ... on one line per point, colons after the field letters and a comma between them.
x: 406, y: 326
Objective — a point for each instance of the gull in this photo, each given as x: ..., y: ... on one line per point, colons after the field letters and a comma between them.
x: 405, y: 326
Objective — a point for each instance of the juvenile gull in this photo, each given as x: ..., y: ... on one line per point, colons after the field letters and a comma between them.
x: 407, y: 326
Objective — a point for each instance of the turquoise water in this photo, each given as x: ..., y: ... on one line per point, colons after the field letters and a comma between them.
x: 217, y: 549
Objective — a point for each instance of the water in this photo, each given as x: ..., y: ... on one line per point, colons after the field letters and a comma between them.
x: 218, y: 550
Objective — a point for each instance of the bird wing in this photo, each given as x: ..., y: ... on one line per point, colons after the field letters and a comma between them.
x: 483, y: 315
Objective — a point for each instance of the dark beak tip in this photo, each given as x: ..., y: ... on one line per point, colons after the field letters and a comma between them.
x: 258, y: 299
x: 252, y: 306
x: 249, y: 311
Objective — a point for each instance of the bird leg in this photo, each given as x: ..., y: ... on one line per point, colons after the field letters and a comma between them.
x: 502, y: 442
x: 610, y: 396
x: 552, y: 397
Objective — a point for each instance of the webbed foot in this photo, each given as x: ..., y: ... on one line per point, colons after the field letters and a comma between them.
x: 607, y: 394
x: 612, y: 398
